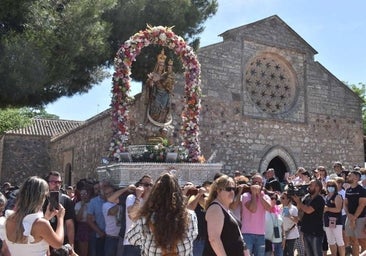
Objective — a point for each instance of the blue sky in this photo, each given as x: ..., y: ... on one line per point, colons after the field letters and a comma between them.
x: 335, y: 29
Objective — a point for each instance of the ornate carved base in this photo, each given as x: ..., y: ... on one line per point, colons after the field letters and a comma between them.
x: 124, y: 174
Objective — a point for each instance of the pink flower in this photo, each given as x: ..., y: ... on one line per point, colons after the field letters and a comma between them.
x: 121, y: 86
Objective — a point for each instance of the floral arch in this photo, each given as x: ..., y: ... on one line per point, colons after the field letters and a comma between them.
x: 127, y: 53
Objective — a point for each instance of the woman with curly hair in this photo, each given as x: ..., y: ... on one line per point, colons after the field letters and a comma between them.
x: 164, y: 225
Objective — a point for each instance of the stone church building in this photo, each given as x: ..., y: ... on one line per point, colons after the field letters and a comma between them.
x: 266, y: 103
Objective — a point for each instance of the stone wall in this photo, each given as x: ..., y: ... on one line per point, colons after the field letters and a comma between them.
x: 88, y: 144
x: 243, y: 143
x: 24, y: 156
x: 322, y: 125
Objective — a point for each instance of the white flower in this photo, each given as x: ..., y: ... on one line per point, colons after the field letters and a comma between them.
x: 127, y: 44
x: 191, y: 125
x: 162, y: 37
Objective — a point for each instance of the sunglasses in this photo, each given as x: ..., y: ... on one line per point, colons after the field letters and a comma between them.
x: 57, y: 182
x: 229, y: 189
x: 146, y: 185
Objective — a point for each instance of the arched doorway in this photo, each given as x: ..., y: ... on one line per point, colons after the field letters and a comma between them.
x: 278, y: 158
x: 279, y: 166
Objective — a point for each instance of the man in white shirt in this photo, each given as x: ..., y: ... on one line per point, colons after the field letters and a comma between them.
x: 133, y: 203
x: 112, y: 227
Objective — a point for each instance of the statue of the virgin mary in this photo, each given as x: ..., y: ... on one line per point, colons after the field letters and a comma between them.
x: 159, y: 86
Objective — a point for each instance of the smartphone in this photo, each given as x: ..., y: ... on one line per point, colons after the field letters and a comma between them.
x: 54, y: 200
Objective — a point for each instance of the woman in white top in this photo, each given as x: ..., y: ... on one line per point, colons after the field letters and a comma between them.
x: 83, y: 230
x: 26, y: 231
x: 273, y: 233
x: 290, y: 217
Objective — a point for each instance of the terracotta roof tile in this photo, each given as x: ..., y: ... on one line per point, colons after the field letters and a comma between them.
x: 47, y: 127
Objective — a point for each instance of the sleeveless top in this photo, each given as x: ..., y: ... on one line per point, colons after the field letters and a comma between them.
x: 202, y: 224
x: 30, y: 249
x: 230, y: 236
x: 330, y: 202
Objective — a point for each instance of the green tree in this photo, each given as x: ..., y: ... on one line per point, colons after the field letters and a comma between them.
x: 12, y: 118
x: 16, y: 118
x: 50, y: 49
x: 55, y: 48
x: 38, y: 112
x: 187, y: 17
x: 360, y: 90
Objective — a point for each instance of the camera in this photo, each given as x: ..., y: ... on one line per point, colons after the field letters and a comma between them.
x: 193, y: 191
x: 299, y: 191
x: 246, y: 189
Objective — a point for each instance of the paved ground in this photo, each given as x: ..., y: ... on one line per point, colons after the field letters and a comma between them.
x: 328, y: 253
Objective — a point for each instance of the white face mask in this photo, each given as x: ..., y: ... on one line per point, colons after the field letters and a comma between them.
x: 363, y: 177
x: 331, y: 189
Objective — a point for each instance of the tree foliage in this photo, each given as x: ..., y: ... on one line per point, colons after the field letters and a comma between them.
x: 16, y: 118
x: 55, y: 48
x: 12, y: 118
x: 50, y: 49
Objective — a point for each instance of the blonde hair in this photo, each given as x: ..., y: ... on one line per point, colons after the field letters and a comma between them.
x: 30, y: 199
x: 219, y: 184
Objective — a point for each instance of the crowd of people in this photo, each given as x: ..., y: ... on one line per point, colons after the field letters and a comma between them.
x: 309, y: 213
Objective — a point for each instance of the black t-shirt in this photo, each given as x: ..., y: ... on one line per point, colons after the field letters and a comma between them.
x: 353, y: 195
x: 69, y: 206
x: 273, y: 184
x: 312, y: 224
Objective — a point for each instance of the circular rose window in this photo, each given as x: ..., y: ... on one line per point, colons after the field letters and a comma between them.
x: 270, y: 84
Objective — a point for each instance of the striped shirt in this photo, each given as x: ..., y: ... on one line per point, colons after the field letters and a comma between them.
x: 145, y: 238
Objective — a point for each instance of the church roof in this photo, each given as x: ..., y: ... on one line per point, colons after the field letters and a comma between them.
x: 47, y: 127
x: 88, y: 122
x: 275, y: 22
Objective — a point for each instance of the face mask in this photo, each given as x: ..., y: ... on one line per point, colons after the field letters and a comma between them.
x: 331, y: 189
x: 363, y: 177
